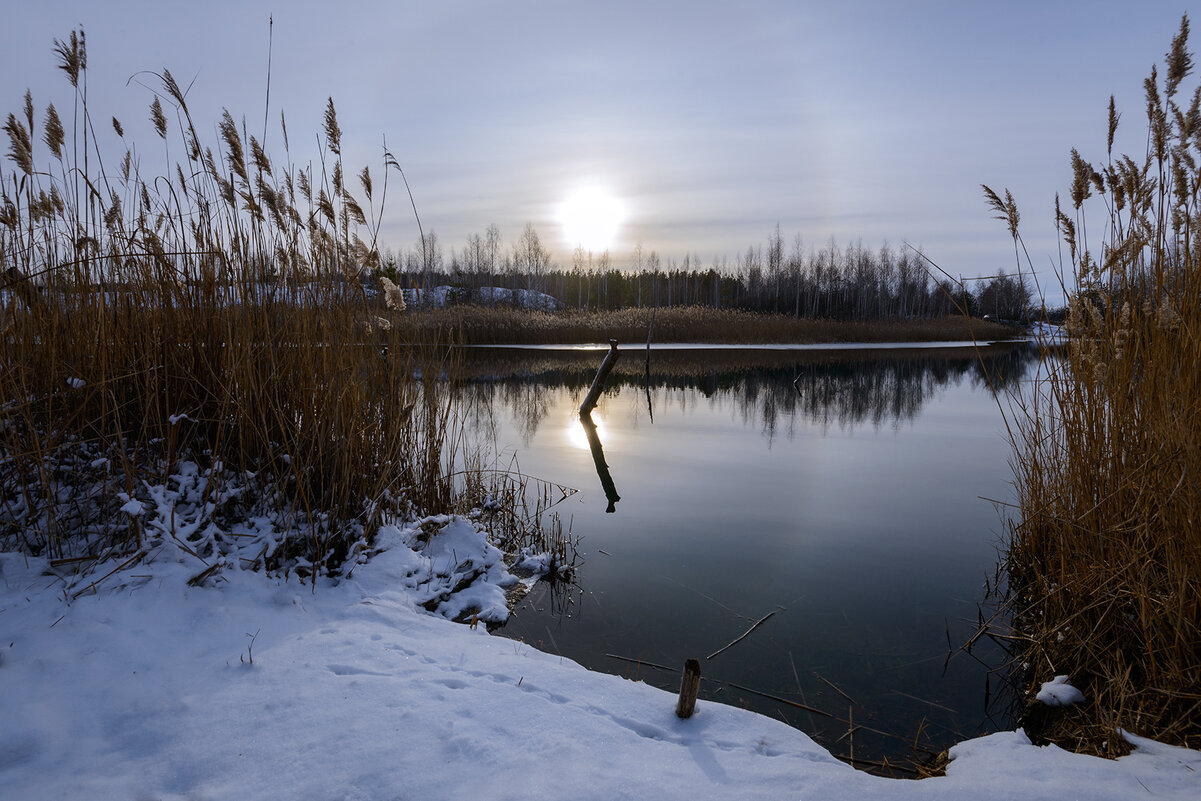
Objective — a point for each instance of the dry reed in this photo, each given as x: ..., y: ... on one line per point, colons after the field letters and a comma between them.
x: 1105, y: 559
x: 479, y: 325
x: 213, y: 312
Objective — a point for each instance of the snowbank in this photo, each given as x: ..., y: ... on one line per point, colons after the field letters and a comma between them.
x: 255, y: 687
x: 442, y: 296
x: 1047, y: 335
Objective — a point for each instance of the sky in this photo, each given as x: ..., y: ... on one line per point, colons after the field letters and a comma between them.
x: 707, y: 124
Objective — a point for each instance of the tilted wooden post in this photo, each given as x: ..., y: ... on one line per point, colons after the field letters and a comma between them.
x: 689, y: 686
x: 598, y: 383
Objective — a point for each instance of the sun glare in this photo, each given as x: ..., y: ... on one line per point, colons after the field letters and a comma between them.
x: 590, y: 219
x: 579, y: 438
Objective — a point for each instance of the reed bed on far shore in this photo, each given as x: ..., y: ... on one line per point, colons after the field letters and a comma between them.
x: 479, y: 325
x: 1104, y: 563
x: 209, y: 317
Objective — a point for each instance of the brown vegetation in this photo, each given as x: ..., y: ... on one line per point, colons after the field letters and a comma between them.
x: 477, y: 325
x: 1105, y: 560
x: 212, y: 313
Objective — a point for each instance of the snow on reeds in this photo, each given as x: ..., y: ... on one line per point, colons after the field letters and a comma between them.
x: 210, y: 314
x: 1104, y: 562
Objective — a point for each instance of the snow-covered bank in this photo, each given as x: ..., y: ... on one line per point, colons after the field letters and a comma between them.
x: 1047, y: 335
x: 440, y: 297
x: 258, y: 688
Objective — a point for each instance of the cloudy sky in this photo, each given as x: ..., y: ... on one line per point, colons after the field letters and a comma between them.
x: 708, y: 123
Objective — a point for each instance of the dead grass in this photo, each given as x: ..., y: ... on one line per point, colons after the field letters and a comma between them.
x: 477, y: 325
x: 1105, y: 559
x: 212, y: 311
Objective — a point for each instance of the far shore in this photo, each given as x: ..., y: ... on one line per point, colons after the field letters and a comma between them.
x: 480, y: 325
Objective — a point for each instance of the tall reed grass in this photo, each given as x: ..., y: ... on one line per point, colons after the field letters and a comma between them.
x: 1104, y: 562
x: 211, y: 311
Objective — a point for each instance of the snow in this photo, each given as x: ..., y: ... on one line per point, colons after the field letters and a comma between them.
x: 1057, y: 692
x: 441, y: 296
x: 132, y: 507
x: 455, y: 556
x: 1047, y: 334
x: 259, y: 686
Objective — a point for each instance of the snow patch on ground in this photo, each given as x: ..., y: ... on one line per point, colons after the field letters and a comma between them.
x: 441, y: 296
x: 1057, y: 692
x: 262, y: 686
x: 1047, y: 334
x: 456, y: 573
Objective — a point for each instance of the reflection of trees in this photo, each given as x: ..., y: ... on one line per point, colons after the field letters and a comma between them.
x: 1004, y: 370
x: 859, y: 392
x: 769, y: 391
x: 529, y: 403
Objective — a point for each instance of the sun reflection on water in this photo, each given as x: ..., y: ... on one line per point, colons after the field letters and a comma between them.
x: 576, y: 435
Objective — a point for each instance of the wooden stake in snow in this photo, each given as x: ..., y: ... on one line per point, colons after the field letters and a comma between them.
x: 598, y: 383
x: 689, y: 686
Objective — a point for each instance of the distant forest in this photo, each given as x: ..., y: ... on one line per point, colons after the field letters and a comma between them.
x: 852, y: 282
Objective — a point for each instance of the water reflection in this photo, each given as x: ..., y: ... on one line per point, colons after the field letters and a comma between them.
x: 840, y: 488
x: 771, y: 390
x: 598, y: 458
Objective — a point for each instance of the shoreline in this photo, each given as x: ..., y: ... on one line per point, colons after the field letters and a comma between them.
x: 252, y: 677
x: 498, y: 325
x: 760, y: 346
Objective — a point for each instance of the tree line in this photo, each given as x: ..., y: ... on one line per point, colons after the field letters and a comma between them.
x: 851, y: 282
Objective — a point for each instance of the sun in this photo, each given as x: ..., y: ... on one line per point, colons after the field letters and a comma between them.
x: 590, y: 219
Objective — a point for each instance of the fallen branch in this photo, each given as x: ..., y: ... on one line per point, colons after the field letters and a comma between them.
x: 744, y: 634
x: 138, y: 555
x: 641, y: 662
x: 780, y: 700
x: 835, y: 687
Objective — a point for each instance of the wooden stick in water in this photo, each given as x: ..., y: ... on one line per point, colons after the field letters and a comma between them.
x: 598, y: 383
x: 758, y: 623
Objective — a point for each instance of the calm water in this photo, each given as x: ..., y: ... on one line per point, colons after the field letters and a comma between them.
x: 840, y: 488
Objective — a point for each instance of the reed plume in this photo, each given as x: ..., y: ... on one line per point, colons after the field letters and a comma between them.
x: 200, y: 315
x: 1104, y: 559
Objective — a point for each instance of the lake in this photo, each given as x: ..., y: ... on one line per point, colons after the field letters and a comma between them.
x: 840, y: 488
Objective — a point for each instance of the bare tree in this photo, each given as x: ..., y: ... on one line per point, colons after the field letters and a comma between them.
x: 1006, y: 297
x: 775, y: 265
x: 492, y: 245
x: 530, y: 257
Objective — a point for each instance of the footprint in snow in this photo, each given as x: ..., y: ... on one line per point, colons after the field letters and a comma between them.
x: 351, y: 670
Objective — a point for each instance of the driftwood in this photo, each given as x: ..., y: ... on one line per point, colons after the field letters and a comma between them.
x: 598, y: 383
x: 780, y: 700
x: 759, y: 623
x: 641, y: 662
